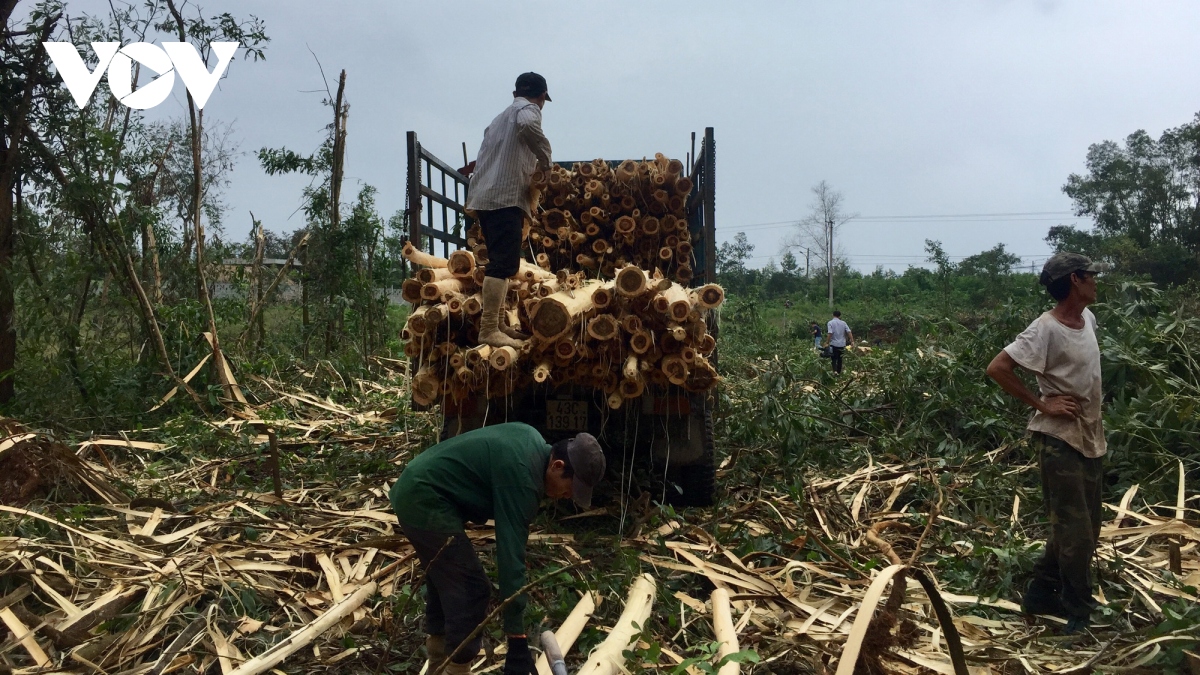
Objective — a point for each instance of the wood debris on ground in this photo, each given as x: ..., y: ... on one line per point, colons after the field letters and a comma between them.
x: 802, y: 612
x: 143, y: 586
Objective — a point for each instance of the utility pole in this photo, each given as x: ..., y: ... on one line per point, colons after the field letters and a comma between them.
x: 829, y: 259
x: 806, y: 261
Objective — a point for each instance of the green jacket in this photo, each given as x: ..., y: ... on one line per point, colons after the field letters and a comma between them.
x: 494, y: 473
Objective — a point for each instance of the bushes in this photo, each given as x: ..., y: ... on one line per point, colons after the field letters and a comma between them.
x: 924, y: 392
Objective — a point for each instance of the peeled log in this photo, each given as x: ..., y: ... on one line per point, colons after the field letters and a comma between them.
x: 724, y: 631
x: 615, y: 400
x: 666, y: 300
x: 461, y: 263
x: 426, y: 386
x: 631, y: 323
x: 435, y: 290
x: 602, y: 327
x: 410, y: 291
x: 564, y: 350
x: 630, y: 369
x: 477, y: 355
x: 674, y: 367
x: 432, y: 274
x: 602, y: 297
x: 416, y: 323
x: 641, y: 341
x: 710, y: 296
x: 609, y: 657
x: 554, y: 315
x: 570, y: 629
x: 542, y: 372
x: 502, y: 358
x: 632, y: 281
x: 473, y: 304
x: 680, y: 308
x: 530, y: 273
x: 629, y: 389
x: 422, y: 258
x: 701, y: 376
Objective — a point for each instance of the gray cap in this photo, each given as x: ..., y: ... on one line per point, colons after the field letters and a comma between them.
x: 587, y: 461
x: 1063, y: 264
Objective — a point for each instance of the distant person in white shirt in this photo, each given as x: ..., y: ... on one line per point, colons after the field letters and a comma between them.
x: 1066, y: 430
x: 837, y: 336
x: 513, y: 148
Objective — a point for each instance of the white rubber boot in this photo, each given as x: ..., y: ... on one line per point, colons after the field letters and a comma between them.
x: 494, y: 291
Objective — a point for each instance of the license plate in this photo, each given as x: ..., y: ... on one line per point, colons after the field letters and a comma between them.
x: 566, y: 415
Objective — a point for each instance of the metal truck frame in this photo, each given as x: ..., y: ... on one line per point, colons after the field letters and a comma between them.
x: 674, y: 425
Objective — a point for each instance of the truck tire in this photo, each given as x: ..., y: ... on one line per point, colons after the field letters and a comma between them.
x: 698, y: 479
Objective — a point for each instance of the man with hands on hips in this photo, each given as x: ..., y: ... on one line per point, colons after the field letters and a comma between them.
x: 1066, y: 429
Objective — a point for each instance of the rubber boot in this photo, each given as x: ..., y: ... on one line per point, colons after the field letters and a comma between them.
x: 494, y: 291
x: 453, y: 668
x: 435, y: 650
x: 1042, y: 597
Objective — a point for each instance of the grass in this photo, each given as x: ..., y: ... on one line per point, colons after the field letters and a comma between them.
x: 918, y: 398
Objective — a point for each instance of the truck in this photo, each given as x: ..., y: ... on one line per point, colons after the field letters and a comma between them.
x: 667, y: 425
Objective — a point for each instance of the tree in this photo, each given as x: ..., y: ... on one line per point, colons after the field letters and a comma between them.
x: 993, y: 268
x: 1145, y: 189
x: 818, y: 230
x: 944, y: 269
x: 990, y: 263
x: 731, y: 264
x: 788, y: 262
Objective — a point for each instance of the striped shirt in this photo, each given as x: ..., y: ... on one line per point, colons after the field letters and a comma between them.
x: 513, y: 148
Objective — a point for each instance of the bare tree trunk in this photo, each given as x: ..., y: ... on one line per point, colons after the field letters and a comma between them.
x: 259, y: 246
x: 304, y: 318
x: 12, y: 132
x: 333, y: 326
x: 150, y: 267
x: 196, y: 124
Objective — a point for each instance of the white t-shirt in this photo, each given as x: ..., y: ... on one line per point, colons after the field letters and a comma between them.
x: 837, y: 330
x: 1066, y: 362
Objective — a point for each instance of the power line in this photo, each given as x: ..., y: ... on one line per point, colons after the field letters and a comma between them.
x: 1012, y: 216
x: 970, y: 215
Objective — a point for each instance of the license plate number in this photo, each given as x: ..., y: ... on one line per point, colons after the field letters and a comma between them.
x: 566, y: 415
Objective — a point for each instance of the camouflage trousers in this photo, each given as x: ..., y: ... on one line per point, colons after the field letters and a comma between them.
x: 1071, y: 489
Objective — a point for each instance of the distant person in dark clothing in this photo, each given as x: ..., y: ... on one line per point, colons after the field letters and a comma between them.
x: 816, y: 334
x: 838, y: 336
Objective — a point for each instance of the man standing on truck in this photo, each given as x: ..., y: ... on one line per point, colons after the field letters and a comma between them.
x: 837, y: 337
x: 495, y: 473
x: 513, y: 148
x: 1060, y: 348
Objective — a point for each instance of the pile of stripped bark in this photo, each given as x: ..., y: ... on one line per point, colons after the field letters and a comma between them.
x: 604, y: 305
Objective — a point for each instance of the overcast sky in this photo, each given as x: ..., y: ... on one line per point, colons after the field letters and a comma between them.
x: 907, y: 108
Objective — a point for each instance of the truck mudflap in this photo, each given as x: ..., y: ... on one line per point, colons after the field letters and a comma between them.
x: 683, y: 448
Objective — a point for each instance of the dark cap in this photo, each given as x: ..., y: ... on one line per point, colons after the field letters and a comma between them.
x: 587, y: 461
x: 531, y: 85
x: 1064, y: 264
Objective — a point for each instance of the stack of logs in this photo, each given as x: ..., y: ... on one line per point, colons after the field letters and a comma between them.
x: 600, y: 219
x: 600, y: 319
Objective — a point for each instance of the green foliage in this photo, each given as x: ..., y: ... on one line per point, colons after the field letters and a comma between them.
x: 1144, y: 195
